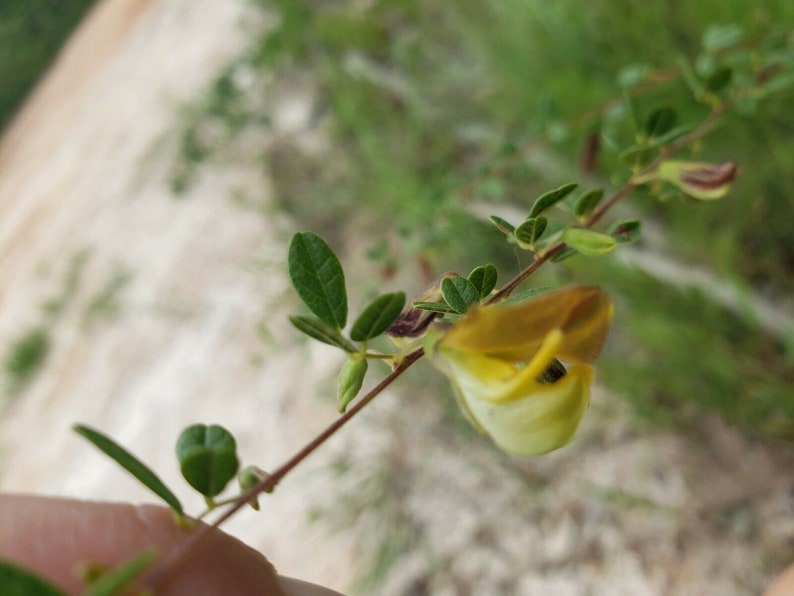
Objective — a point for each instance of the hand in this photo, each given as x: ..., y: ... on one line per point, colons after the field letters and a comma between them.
x: 52, y: 536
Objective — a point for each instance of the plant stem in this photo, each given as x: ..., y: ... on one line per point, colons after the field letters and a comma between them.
x: 269, y: 483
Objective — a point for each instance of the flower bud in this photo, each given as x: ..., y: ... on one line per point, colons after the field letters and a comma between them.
x: 699, y: 180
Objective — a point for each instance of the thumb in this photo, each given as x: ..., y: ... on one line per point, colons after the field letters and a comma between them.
x: 53, y: 536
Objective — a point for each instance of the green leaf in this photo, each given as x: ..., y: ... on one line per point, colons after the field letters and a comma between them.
x: 484, y: 279
x: 721, y: 37
x: 16, y: 581
x: 114, y: 580
x: 587, y: 203
x: 130, y: 463
x: 660, y: 122
x: 588, y: 242
x: 626, y: 232
x: 719, y: 79
x: 318, y: 278
x: 565, y: 253
x: 636, y: 154
x: 671, y: 135
x: 530, y: 232
x: 207, y: 457
x: 378, y: 316
x: 351, y: 377
x: 316, y: 329
x: 527, y: 294
x: 441, y: 307
x: 459, y: 293
x: 504, y: 226
x: 551, y: 198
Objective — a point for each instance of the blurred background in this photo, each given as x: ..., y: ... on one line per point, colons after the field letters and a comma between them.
x: 157, y: 155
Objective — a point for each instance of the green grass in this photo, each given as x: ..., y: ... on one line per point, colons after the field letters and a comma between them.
x: 26, y: 356
x: 31, y: 33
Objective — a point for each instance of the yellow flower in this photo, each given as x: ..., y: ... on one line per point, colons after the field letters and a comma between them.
x: 496, y: 354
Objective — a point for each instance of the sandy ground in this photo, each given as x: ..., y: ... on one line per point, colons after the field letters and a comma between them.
x: 84, y: 171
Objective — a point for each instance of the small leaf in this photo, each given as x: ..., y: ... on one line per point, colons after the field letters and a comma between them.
x: 660, y: 122
x: 316, y: 329
x: 636, y: 154
x: 318, y: 278
x: 441, y: 307
x: 16, y: 581
x: 587, y: 203
x: 527, y: 294
x: 719, y: 79
x: 504, y: 226
x: 626, y: 232
x: 351, y: 377
x: 721, y: 37
x: 484, y: 279
x: 632, y: 75
x: 588, y: 242
x: 207, y: 457
x: 459, y: 293
x: 671, y: 135
x: 530, y: 232
x: 565, y: 253
x: 130, y: 463
x: 119, y: 578
x: 378, y: 316
x: 551, y: 198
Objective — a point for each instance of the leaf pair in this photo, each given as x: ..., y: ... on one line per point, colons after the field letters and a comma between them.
x: 207, y: 457
x: 318, y: 278
x: 460, y: 293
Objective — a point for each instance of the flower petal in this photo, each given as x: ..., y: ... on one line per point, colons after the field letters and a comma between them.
x: 541, y: 421
x: 515, y: 332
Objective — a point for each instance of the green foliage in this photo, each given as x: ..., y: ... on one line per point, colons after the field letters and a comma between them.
x: 459, y: 293
x: 31, y: 33
x: 130, y: 463
x: 318, y: 278
x: 316, y: 329
x: 551, y: 198
x: 588, y: 242
x: 483, y: 278
x: 378, y: 316
x: 16, y: 581
x: 26, y: 356
x: 530, y: 231
x: 207, y: 457
x: 120, y: 578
